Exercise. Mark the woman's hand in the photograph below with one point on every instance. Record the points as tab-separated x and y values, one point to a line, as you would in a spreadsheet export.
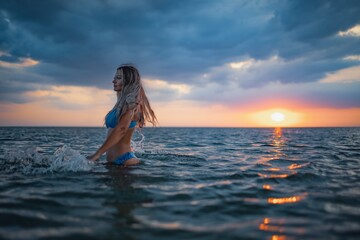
94	157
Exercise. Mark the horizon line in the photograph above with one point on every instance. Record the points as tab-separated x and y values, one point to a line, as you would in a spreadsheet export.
59	126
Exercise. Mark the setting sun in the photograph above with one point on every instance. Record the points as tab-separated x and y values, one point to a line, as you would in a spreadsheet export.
277	117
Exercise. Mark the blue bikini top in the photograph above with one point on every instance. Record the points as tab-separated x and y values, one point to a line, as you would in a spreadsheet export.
111	120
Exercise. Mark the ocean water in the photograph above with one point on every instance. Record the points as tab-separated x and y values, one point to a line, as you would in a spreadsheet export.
192	183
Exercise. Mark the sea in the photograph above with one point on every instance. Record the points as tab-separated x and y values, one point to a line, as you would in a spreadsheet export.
192	183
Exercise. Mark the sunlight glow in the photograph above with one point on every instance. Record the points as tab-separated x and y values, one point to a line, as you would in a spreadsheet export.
72	106
277	117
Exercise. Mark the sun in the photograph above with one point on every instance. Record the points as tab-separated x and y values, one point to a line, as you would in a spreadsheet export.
278	117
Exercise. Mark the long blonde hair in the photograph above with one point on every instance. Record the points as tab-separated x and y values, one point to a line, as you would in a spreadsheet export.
132	95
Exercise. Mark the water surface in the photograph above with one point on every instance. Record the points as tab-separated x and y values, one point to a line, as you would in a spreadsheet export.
192	183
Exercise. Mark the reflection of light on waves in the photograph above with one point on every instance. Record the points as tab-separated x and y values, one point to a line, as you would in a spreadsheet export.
274	169
267	187
277	237
275	175
181	187
191	227
278	132
202	185
296	166
278	143
277	226
271	228
292	199
265	226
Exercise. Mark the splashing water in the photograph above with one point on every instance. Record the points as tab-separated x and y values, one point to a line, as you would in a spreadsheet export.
138	142
30	161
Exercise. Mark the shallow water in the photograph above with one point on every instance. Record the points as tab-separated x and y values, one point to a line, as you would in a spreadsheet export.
193	183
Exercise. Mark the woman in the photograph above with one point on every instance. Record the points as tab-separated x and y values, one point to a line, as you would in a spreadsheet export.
131	110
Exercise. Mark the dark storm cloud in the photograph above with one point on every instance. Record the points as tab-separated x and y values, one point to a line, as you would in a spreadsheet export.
317	19
82	42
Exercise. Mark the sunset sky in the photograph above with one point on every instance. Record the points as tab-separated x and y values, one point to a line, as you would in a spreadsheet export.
207	63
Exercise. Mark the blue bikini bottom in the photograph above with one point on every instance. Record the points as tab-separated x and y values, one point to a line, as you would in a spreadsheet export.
126	156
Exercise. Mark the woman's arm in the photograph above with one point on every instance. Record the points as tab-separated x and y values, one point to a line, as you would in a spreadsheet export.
115	136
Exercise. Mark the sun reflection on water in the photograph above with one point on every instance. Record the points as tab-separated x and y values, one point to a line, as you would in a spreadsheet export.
277	237
275	167
291	199
296	166
278	132
276	226
267	187
279	227
278	143
284	175
268	225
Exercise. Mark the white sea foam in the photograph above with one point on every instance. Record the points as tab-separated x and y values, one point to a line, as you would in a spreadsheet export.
30	161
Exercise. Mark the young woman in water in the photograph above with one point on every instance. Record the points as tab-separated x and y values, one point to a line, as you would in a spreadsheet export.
131	110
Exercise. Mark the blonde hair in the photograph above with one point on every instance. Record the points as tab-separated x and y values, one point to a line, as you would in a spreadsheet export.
132	95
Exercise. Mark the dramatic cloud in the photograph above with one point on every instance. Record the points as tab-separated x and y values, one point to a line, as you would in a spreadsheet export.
181	47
